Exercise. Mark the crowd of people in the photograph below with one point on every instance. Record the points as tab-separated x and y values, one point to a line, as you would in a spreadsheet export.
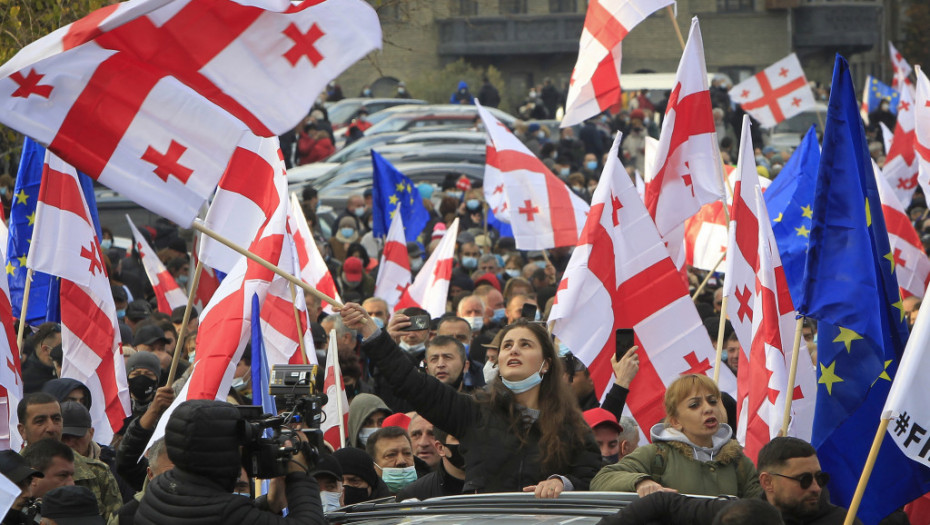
483	399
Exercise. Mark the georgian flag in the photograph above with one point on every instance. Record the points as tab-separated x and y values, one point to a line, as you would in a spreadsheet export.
620	276
776	93
394	274
336	410
280	313
901	166
167	292
922	130
11	376
431	286
65	244
313	269
909	260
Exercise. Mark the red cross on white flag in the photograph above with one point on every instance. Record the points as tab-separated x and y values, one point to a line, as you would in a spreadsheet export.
65	244
394	274
595	81
313	269
135	98
900	67
900	166
763	317
910	262
620	276
431	285
11	376
922	129
776	93
167	292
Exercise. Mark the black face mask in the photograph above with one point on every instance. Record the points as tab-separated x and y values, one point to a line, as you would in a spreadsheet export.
457	460
142	387
353	495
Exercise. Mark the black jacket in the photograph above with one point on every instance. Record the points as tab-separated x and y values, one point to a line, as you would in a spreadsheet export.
128	465
181	498
671	508
433	485
35	374
495	460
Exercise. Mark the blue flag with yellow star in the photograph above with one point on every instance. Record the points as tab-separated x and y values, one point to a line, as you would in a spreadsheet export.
392	191
43	294
851	289
789	200
876	91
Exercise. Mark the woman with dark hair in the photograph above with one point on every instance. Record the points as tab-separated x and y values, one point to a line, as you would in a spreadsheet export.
525	432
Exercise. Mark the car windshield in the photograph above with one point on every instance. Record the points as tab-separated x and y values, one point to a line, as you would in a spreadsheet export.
342	111
361	147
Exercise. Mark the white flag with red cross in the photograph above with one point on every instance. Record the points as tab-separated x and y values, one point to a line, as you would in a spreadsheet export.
136	98
430	288
394	275
280	332
899	66
225	324
595	81
621	276
90	339
900	166
776	93
167	292
706	237
908	258
760	309
687	172
922	130
209	280
544	212
313	269
494	187
11	376
336	410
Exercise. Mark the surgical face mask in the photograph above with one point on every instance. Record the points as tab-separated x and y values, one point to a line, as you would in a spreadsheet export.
470	262
499	315
182	280
330	500
397	478
591	165
426	190
355	495
564	172
473	204
524	385
455	194
563	350
3	191
540	135
475	323
538	316
378	322
411	349
577	189
121	313
106	244
512	272
366	92
347	232
541	264
364	434
416	264
245	494
457	459
359	211
490	371
239	384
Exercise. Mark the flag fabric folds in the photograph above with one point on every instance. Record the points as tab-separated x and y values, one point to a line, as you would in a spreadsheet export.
776	93
621	276
900	166
394	273
790	200
313	269
911	265
922	130
900	67
875	92
66	245
595	80
431	285
543	212
687	172
336	410
261	371
136	99
394	192
850	288
11	375
167	292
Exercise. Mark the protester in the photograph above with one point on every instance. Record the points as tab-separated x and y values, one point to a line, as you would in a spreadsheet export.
691	451
39	418
328	474
423	440
530	428
15	468
449	477
71	506
37	367
392	452
360	481
78	433
366	414
54	460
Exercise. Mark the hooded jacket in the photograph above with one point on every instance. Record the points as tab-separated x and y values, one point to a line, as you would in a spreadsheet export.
361	407
63	386
673	461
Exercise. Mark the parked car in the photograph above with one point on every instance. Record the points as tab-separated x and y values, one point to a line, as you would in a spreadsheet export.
341	113
402	117
787	134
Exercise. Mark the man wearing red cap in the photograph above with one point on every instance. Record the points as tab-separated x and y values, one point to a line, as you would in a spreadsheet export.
354	279
610	435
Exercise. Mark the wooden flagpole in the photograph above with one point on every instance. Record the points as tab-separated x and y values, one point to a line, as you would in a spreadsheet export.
866	472
671	15
184	320
700	288
199	226
23	311
723	323
300	328
792	375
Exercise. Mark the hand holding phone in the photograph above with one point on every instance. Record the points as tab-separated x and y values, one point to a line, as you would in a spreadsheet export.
625	341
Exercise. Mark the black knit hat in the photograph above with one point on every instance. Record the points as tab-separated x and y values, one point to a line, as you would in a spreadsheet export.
201	438
357	462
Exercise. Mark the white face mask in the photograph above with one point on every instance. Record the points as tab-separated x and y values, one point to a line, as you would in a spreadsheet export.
475	323
411	348
330	500
364	434
490	371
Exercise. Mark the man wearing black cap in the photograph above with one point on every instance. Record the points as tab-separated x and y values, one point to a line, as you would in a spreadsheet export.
328	474
359	479
17	470
70	506
151	338
94	474
148	405
136	312
202	440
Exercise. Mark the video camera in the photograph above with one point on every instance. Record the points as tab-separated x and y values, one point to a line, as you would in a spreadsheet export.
264	437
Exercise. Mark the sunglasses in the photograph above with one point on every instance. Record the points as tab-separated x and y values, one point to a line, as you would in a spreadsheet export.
807	478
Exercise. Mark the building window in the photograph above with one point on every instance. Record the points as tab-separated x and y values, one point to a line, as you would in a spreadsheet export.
513	7
563	6
468	7
735	5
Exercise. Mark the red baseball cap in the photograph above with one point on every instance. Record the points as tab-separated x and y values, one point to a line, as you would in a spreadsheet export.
397	420
599	416
353	269
489	278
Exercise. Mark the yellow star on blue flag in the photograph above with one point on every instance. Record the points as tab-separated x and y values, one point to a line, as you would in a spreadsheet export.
390	189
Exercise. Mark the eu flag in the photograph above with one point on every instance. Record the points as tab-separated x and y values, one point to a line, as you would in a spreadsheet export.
789	199
44	292
876	91
393	191
851	289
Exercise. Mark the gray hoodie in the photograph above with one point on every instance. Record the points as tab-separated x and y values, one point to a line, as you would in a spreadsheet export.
362	406
661	432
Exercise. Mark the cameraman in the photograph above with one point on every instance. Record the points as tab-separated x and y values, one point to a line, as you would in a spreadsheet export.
202	441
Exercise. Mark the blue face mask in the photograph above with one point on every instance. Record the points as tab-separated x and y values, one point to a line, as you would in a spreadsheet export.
564	172
499	315
398	478
182	280
378	322
563	350
523	385
470	262
512	272
359	211
3	191
591	165
121	313
347	232
106	244
473	204
541	264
